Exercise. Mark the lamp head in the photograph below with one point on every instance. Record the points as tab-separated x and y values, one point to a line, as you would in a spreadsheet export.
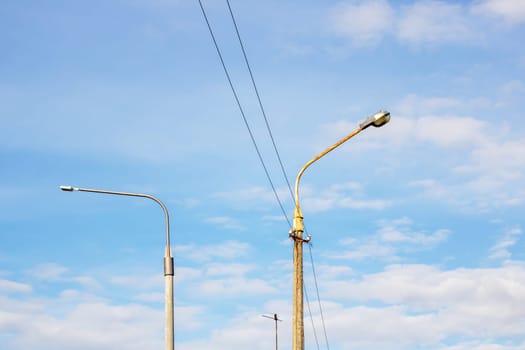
378	119
67	188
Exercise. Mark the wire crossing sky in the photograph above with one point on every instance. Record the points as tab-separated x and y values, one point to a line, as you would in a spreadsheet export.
417	226
263	164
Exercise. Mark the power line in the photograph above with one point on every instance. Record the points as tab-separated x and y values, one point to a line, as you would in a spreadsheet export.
318	297
311	317
268	128
243	114
259	99
257	148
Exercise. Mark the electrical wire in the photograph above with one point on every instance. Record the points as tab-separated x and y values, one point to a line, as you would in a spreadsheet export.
268	128
318	297
243	114
257	148
311	317
259	99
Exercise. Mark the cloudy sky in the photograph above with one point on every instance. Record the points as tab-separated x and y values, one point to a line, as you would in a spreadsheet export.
417	227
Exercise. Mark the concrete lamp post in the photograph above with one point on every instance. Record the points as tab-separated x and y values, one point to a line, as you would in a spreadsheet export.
296	233
168	259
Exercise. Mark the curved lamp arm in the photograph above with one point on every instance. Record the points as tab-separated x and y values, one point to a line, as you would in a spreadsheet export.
168	265
168	259
378	119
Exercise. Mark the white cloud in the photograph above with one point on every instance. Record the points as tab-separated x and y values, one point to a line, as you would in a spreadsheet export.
480	164
392	234
150	297
339	196
424	287
247	330
421	304
273	218
413	104
345	195
221	279
447	131
186	202
504	157
333	271
409	306
235	286
480	345
439	130
481	195
84	326
513	87
226	222
146	281
364	22
48	271
70	296
221	269
189	317
368	250
512	11
391	238
432	188
76	320
184	273
86	281
226	250
251	197
393	328
420	23
7	286
328	203
434	22
496	170
501	249
52	272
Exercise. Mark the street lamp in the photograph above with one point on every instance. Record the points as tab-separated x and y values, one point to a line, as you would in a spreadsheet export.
168	259
275	318
296	233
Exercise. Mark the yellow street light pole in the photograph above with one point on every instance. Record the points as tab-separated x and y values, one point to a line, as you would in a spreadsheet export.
296	233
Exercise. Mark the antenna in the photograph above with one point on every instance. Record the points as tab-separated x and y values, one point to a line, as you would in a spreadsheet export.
275	318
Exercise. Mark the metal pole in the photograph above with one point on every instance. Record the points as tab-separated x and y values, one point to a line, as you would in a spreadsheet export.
296	233
274	317
168	259
276	336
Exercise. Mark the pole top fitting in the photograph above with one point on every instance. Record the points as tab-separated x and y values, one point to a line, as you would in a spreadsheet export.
296	237
68	188
377	119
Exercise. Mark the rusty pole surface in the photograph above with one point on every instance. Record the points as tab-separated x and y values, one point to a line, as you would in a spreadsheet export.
296	233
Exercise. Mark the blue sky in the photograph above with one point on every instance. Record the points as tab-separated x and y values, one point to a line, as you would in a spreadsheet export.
417	226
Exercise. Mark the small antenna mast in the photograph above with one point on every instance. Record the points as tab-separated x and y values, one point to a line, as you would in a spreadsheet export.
275	318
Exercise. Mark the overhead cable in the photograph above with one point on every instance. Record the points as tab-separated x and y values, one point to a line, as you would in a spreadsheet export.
268	128
311	317
318	297
259	99
257	148
243	114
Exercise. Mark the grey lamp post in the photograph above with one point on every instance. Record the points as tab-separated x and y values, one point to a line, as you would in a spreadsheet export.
168	259
296	233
